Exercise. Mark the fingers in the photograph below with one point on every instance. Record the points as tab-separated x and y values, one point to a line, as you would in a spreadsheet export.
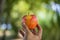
34	32
22	32
26	29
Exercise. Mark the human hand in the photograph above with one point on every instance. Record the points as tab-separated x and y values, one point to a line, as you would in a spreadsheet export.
31	35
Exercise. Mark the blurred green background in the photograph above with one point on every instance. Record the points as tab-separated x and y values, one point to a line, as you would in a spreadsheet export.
47	12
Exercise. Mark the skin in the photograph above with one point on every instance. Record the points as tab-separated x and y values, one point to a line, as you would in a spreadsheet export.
31	35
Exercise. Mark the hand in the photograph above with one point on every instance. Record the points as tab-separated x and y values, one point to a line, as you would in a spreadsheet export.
31	35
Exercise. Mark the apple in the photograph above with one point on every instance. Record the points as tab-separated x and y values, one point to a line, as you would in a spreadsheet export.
30	21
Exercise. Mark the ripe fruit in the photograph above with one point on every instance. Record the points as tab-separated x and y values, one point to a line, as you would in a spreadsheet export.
30	21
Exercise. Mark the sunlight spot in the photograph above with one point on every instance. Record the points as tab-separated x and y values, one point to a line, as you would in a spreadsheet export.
41	15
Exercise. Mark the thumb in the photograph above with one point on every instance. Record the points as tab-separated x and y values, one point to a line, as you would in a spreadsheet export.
39	30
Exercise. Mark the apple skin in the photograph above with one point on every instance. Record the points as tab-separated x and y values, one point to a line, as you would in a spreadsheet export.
30	21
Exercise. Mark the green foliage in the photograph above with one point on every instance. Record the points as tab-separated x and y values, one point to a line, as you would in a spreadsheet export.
47	18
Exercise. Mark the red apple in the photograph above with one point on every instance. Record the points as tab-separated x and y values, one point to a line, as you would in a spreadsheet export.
30	21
